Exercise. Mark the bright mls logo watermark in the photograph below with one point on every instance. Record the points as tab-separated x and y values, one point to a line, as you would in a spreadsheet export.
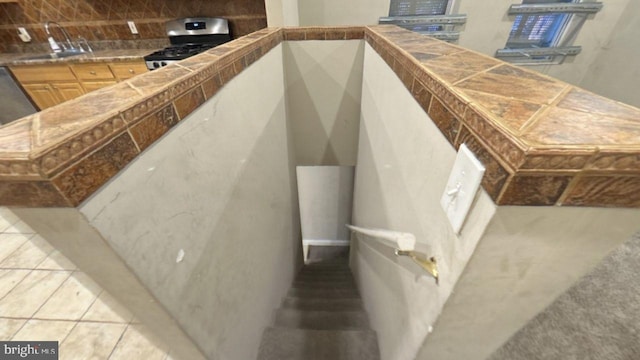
29	350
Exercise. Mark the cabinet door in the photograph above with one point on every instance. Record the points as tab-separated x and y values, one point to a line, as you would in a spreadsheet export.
68	91
129	69
95	85
42	95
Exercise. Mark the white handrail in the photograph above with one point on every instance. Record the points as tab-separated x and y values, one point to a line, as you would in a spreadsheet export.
401	240
403	244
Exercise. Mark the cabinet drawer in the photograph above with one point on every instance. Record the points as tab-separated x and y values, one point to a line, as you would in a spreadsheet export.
40	74
93	71
95	85
126	70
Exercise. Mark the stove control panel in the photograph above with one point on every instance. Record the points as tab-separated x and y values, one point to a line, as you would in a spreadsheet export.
153	65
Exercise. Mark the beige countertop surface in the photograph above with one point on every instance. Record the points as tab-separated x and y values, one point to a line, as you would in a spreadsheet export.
14	59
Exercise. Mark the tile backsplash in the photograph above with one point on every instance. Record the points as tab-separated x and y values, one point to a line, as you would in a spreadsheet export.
98	20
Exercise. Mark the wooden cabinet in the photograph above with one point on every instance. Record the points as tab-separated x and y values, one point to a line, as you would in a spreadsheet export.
50	85
90	86
43	73
94	76
128	69
92	71
67	91
42	95
50	94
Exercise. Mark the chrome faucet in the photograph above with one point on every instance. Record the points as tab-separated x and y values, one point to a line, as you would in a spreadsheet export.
55	46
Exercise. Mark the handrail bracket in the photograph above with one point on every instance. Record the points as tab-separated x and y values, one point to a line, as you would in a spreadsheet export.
428	264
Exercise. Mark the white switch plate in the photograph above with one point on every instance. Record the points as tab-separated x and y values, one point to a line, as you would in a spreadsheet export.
462	186
132	27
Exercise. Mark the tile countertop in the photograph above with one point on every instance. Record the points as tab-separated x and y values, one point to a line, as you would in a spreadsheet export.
543	142
9	59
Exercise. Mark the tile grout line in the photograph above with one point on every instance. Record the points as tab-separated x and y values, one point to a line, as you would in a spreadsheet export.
119	340
69	333
11	224
76	321
93	302
50	296
16	285
48	254
18	248
544	109
21	327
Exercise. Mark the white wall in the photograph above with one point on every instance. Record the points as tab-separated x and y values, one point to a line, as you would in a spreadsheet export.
403	165
282	13
221	187
605	66
527	257
487	30
325	195
323	85
337	12
615	72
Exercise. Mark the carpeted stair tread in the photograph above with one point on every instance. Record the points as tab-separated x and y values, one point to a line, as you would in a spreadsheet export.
324	293
327	271
322	304
330	277
325	284
322	320
323	279
303	344
328	253
327	265
331	262
334	260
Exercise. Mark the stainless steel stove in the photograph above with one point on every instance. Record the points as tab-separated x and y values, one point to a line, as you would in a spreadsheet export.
188	37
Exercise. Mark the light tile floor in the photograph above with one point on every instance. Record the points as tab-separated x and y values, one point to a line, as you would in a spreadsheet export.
44	297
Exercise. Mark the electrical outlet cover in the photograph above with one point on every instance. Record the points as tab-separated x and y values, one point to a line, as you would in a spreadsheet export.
132	27
464	181
23	34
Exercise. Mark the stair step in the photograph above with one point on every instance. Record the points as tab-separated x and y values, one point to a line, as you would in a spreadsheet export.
325	272
303	344
324	284
324	293
322	320
324	279
305	272
328	265
322	304
328	253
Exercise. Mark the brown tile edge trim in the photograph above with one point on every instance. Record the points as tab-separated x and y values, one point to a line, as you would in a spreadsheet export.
26	182
534	177
324	33
69	172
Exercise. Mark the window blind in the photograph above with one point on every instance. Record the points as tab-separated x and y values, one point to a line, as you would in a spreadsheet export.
537	30
418	7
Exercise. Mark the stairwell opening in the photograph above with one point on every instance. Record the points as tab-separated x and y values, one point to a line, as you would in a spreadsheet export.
323	85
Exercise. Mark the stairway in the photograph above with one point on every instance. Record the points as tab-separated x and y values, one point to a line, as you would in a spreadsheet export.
321	318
